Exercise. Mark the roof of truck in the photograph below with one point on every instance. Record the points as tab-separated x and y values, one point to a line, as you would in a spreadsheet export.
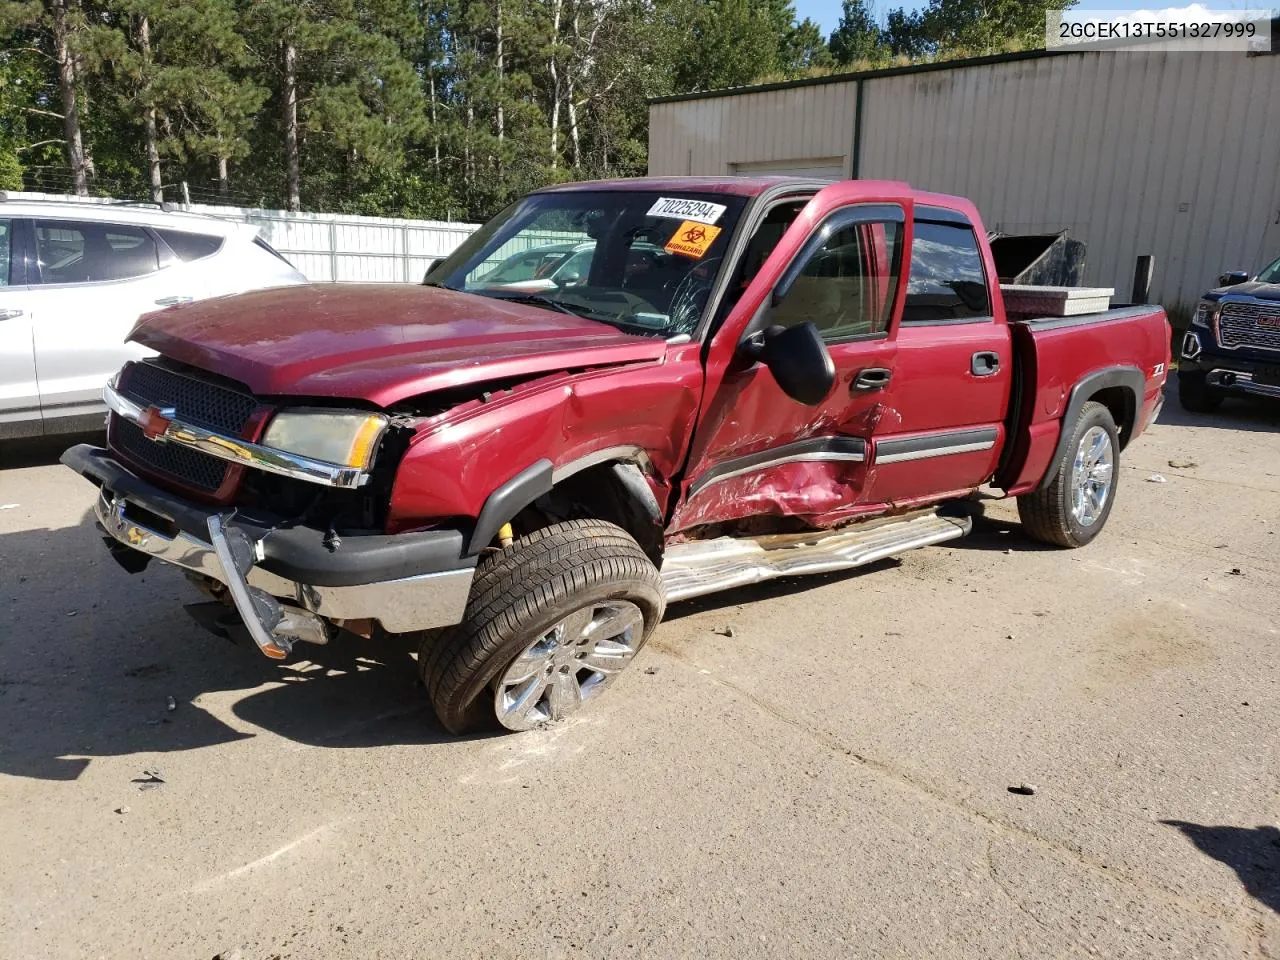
754	186
735	186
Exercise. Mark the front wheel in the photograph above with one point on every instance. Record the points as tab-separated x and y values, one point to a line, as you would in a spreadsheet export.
552	621
1073	508
1195	395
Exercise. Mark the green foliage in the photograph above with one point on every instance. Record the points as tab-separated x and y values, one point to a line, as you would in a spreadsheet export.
420	108
857	38
967	28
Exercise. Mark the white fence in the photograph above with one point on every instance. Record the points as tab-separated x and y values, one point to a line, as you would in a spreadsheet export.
331	246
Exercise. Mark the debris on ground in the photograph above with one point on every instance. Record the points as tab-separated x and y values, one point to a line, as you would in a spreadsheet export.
1008	550
1237	572
7	506
1024	790
651	670
172	704
1156	478
725	631
1183	464
150	780
122	809
72	613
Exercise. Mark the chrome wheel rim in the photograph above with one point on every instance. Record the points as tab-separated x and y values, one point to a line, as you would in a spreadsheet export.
1092	475
568	664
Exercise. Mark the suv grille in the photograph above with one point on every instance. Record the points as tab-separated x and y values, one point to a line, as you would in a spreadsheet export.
1244	324
195	401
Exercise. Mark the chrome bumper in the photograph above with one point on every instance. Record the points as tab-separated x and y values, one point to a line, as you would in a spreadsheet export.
411	603
1242	381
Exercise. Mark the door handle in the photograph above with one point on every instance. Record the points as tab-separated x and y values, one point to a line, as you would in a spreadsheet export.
984	363
872	378
9	314
173	301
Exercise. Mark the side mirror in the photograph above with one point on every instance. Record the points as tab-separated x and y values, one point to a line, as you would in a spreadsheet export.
431	265
568	279
798	360
1232	277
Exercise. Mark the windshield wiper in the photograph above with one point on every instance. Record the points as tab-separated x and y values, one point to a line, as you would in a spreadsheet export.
538	300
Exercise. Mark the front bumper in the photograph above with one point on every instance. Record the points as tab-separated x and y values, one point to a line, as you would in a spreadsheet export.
1231	373
285	581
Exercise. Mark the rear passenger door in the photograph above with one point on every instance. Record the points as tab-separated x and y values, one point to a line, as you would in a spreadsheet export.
953	369
93	280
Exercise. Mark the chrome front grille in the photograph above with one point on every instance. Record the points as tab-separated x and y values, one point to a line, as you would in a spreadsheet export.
193	468
193	400
1242	323
196	401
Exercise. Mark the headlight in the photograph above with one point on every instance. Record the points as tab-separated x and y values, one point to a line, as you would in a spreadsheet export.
348	438
1204	312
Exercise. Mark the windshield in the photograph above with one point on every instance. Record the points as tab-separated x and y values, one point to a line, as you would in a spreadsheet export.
1270	274
641	260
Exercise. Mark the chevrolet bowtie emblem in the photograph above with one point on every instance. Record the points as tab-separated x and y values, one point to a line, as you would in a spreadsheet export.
155	421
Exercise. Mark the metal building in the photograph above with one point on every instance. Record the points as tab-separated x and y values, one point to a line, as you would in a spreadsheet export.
1175	154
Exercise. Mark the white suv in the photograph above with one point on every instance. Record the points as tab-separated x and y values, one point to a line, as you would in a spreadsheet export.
74	277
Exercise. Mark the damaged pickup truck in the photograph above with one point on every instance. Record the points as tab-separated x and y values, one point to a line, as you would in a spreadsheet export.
745	379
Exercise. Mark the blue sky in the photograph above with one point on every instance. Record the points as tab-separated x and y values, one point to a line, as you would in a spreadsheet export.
826	13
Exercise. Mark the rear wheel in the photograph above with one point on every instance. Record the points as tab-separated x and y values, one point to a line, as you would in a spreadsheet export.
552	621
1073	508
1195	395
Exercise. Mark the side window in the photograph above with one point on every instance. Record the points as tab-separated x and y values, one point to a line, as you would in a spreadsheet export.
72	251
6	248
946	281
848	282
190	246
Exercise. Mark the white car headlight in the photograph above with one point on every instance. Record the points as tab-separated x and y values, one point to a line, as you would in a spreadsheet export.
344	437
1204	311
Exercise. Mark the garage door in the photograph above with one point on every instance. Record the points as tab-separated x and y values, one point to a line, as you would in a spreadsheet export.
818	168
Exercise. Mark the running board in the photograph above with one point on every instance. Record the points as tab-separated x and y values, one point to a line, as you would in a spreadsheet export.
709	566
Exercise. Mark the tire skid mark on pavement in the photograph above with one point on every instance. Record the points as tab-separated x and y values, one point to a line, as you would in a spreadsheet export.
1048	845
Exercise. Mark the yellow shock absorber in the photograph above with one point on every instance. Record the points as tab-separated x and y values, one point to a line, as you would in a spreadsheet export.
506	535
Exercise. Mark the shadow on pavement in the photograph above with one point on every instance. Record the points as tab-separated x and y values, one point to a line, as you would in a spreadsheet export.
990	533
1253	853
89	656
43	451
1246	413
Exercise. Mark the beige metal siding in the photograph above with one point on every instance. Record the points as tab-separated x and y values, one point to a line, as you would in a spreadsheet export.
806	126
1172	154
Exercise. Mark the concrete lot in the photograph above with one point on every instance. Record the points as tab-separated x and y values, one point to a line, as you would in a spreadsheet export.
829	782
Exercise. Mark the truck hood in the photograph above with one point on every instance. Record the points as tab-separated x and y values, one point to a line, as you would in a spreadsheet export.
1262	291
380	342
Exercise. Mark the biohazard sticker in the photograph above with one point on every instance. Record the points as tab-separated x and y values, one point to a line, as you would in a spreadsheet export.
674	208
692	239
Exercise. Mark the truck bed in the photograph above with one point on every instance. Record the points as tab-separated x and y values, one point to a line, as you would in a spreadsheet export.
1122	355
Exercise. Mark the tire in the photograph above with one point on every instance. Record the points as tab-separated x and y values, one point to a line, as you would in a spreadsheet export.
1053	514
1195	395
525	600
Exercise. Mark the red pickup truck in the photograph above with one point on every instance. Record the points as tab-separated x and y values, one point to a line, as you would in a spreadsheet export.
741	379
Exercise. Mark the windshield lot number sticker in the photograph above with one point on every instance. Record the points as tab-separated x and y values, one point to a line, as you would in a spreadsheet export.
692	239
673	208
